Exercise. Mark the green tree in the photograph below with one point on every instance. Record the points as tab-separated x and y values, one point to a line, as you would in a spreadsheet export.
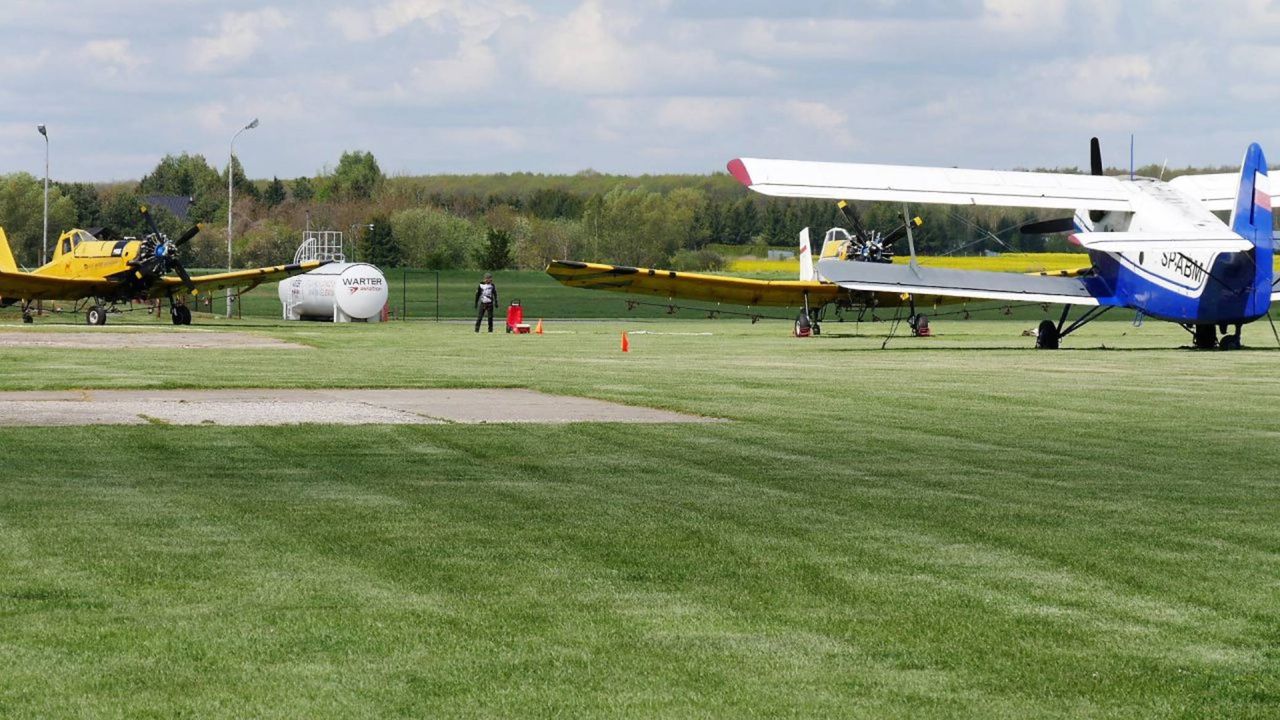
84	196
240	182
275	193
357	176
495	254
270	243
190	176
303	189
551	203
122	214
432	238
22	215
640	227
379	246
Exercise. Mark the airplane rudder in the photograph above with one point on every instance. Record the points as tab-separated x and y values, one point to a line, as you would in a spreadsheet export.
807	271
1252	215
7	263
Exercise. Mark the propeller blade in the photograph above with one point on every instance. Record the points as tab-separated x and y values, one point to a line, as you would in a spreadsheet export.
1095	168
851	215
182	273
1049	227
151	222
186	236
900	232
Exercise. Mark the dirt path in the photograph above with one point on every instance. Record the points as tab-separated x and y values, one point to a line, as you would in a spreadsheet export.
290	407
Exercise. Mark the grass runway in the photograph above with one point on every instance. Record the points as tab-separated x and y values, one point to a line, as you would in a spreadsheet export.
952	527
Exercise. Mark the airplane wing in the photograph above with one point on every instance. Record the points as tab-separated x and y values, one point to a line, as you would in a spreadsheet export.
951	186
26	286
238	278
693	286
977	284
1216	190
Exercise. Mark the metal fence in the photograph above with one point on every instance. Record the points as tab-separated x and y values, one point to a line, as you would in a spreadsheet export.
418	296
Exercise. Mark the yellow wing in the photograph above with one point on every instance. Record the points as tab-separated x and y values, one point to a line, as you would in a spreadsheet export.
694	286
247	279
27	286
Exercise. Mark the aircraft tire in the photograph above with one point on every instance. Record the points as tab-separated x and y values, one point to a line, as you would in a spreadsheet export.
27	319
1229	342
97	315
1205	337
1047	337
184	314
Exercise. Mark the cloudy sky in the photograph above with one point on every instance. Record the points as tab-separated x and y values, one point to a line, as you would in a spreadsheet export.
434	86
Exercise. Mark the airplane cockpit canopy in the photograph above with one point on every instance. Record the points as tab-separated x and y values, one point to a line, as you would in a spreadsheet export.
72	239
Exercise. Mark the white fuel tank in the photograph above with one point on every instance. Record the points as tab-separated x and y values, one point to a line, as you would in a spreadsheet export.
338	291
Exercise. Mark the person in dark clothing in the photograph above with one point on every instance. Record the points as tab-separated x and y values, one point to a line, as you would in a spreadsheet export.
486	299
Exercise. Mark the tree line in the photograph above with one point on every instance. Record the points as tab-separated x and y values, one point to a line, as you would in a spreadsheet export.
518	220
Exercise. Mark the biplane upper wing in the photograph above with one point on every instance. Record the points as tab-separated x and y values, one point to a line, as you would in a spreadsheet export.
951	186
28	286
693	286
237	278
1216	190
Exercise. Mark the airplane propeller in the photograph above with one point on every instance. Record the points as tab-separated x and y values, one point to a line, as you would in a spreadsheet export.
158	254
872	245
1064	225
1048	227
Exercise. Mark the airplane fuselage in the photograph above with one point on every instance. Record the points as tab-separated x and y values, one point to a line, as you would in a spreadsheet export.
1190	286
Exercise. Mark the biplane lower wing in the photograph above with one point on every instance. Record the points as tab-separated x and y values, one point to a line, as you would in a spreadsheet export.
237	278
974	284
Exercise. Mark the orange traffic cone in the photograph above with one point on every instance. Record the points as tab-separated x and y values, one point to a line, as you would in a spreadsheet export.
539	328
626	346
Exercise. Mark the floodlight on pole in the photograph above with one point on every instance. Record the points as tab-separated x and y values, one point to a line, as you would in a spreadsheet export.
231	160
44	245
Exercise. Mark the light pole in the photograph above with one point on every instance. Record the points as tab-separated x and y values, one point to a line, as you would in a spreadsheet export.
231	159
44	245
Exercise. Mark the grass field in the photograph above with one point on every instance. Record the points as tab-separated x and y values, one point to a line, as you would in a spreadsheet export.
953	527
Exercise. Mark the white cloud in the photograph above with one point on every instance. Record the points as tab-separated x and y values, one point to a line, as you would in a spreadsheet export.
476	20
582	54
701	114
1022	15
239	36
111	59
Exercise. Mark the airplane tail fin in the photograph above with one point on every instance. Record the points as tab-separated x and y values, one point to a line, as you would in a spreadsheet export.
808	271
6	255
1251	219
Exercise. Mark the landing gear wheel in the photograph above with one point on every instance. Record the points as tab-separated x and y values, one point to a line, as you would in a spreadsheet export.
1229	342
817	329
27	319
804	327
1047	337
97	315
1205	337
180	314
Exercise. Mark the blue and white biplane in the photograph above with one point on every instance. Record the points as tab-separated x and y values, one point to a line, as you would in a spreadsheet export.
1156	247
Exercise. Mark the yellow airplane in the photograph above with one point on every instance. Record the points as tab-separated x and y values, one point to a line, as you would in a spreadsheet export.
810	293
100	274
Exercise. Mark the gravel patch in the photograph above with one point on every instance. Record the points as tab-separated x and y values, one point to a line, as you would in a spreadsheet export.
338	407
162	338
